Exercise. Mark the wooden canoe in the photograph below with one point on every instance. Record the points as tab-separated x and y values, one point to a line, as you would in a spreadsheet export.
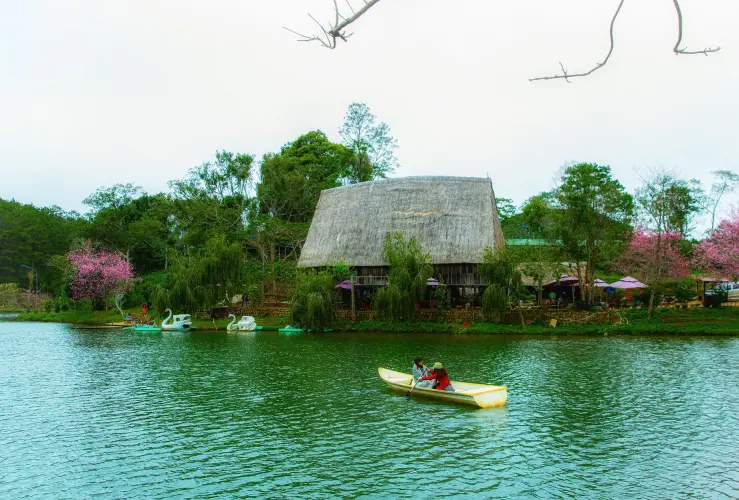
480	395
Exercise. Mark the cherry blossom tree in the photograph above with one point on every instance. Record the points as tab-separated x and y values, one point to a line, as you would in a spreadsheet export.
98	273
654	257
642	258
719	253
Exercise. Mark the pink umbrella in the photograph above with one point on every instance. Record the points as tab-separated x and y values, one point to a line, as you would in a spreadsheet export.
346	285
627	283
601	283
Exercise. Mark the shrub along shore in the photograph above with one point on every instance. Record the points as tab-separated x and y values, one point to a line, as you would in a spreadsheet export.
712	321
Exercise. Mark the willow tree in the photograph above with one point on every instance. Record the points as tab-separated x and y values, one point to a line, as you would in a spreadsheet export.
203	277
500	271
313	301
410	269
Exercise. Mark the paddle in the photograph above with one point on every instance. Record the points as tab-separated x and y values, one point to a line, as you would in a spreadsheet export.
413	386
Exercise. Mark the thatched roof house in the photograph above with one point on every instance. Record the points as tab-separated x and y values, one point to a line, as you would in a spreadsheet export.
453	218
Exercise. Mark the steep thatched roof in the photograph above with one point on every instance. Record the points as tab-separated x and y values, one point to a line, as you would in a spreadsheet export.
454	218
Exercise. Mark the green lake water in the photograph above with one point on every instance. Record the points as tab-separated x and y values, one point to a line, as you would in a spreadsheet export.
112	414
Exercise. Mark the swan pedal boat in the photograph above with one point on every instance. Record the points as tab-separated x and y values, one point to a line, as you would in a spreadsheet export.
467	393
177	323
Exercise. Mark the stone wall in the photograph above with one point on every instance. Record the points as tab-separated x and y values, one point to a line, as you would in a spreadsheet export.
456	316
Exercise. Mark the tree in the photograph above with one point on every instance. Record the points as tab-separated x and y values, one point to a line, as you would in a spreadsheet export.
371	143
725	183
203	276
98	273
655	258
313	302
292	180
410	269
504	280
719	253
337	31
591	211
536	212
215	197
664	209
114	197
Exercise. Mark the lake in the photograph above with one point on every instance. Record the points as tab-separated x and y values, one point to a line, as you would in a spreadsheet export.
109	414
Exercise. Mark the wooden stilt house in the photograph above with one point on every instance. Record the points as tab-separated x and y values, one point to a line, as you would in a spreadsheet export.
453	218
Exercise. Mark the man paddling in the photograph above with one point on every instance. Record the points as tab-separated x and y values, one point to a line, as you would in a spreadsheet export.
420	371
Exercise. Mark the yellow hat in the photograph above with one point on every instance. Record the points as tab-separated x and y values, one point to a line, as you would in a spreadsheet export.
438	365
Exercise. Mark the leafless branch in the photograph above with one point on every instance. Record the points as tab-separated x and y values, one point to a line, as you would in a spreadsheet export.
676	49
336	30
566	76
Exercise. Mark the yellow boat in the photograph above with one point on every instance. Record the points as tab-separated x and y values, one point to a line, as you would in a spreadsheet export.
466	393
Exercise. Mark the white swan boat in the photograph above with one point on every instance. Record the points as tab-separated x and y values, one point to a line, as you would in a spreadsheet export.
177	323
245	324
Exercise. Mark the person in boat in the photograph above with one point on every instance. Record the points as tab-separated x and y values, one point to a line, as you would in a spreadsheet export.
419	370
440	377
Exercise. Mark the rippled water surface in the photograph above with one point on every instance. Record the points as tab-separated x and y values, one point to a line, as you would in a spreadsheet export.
113	414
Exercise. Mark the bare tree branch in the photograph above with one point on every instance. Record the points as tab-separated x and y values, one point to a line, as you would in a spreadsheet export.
676	49
336	30
565	76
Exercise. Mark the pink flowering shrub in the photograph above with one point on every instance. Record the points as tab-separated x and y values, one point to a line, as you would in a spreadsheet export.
642	258
98	273
719	253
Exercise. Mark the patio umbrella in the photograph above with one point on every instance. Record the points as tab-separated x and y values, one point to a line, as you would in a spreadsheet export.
432	282
346	285
628	283
600	283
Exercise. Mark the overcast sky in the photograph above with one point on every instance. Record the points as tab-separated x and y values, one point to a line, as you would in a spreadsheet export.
95	92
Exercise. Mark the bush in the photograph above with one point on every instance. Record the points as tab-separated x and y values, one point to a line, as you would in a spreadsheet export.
48	305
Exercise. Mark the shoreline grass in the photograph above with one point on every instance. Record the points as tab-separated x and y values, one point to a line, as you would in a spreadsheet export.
719	321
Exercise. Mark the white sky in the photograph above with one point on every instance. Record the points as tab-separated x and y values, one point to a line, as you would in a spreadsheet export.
95	92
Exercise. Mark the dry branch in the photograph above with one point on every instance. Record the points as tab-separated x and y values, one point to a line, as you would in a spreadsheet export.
676	49
336	30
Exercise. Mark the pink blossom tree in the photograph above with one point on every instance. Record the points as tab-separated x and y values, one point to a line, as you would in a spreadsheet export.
98	273
654	258
719	253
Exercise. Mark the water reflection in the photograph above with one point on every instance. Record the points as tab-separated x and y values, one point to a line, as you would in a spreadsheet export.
113	413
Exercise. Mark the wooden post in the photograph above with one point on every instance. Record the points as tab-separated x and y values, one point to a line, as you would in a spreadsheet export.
354	307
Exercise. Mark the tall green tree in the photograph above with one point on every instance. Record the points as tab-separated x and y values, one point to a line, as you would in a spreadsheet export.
292	180
665	206
591	213
370	141
725	182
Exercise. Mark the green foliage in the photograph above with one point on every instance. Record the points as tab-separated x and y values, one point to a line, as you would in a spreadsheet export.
30	235
202	277
313	301
370	142
591	213
501	272
292	180
410	268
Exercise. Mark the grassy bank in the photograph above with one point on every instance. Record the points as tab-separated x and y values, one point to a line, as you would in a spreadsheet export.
101	318
722	321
